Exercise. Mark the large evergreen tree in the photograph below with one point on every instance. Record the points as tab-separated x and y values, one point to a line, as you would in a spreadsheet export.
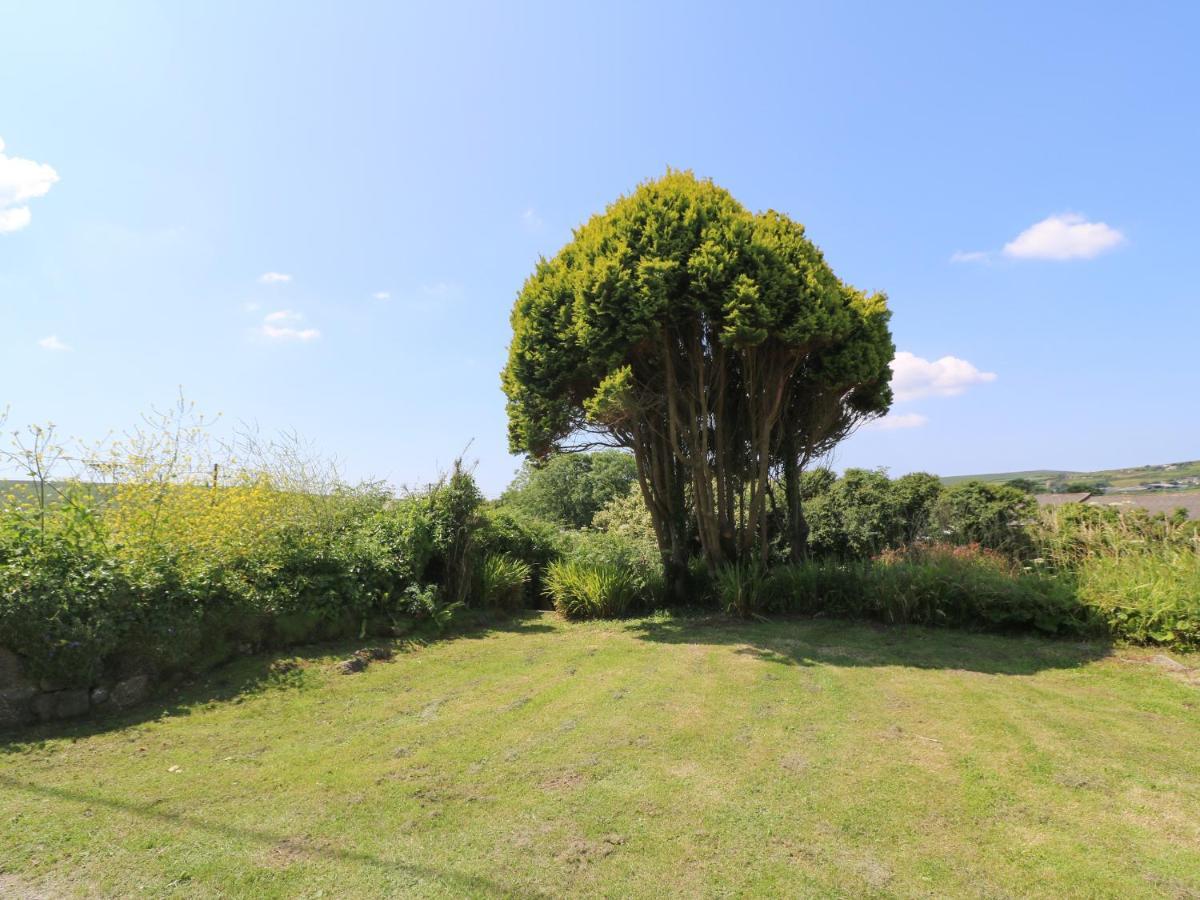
715	343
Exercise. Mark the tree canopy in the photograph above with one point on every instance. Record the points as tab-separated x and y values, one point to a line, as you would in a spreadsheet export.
715	343
571	488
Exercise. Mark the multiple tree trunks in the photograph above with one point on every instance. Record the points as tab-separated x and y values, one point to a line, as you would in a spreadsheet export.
714	343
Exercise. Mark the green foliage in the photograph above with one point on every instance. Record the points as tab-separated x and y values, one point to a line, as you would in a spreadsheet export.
739	588
706	339
571	488
1139	572
1148	598
993	515
502	581
582	589
935	585
509	532
864	512
158	572
63	604
1025	485
1079	486
638	558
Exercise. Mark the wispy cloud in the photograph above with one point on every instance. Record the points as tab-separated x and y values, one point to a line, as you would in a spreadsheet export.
382	295
52	342
1067	236
287	325
274	278
531	220
21	180
914	377
970	256
1061	237
899	420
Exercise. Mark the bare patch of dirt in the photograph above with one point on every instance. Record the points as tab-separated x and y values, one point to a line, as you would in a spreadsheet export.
1078	781
581	852
289	852
562	781
796	763
13	887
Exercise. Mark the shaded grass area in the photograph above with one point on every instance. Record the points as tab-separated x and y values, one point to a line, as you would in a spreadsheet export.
684	755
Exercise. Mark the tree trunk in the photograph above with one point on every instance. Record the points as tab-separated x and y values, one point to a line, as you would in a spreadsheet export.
797	524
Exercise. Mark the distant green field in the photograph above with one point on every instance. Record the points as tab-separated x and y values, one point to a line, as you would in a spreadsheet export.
1113	478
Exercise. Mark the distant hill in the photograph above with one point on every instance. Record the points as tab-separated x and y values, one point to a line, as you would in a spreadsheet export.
1179	476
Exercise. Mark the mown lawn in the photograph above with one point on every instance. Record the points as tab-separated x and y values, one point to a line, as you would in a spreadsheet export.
656	757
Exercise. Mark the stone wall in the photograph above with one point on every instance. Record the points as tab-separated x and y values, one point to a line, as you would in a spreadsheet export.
23	700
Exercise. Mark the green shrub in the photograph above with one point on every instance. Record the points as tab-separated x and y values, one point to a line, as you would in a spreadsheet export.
174	576
936	585
865	512
502	581
639	560
739	588
511	533
991	515
568	489
64	606
1151	598
585	590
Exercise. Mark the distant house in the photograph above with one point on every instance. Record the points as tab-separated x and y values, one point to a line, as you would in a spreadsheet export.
1060	499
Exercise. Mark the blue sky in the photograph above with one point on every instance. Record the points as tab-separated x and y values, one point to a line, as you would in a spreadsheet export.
1019	178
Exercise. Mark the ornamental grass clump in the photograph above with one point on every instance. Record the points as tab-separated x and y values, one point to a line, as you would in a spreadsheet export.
585	590
502	581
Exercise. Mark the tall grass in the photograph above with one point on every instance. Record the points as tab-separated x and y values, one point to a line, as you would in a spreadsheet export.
1139	573
502	581
583	590
934	584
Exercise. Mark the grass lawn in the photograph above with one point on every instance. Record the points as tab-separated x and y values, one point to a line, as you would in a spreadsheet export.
653	757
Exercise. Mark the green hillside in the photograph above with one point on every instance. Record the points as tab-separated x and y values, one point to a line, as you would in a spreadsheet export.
1132	477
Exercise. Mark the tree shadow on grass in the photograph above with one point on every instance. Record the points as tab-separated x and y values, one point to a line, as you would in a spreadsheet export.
458	882
268	670
834	642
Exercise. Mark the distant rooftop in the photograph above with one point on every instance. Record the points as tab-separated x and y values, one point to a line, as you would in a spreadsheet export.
1060	499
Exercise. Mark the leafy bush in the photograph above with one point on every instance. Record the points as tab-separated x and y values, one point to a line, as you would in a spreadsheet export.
935	585
153	570
570	488
584	590
639	560
864	512
511	533
1151	598
64	605
628	516
502	581
992	515
739	588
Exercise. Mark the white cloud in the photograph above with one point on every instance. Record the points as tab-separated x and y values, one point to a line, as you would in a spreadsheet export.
531	220
1067	236
914	377
970	256
21	180
382	295
900	420
274	278
51	342
285	325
